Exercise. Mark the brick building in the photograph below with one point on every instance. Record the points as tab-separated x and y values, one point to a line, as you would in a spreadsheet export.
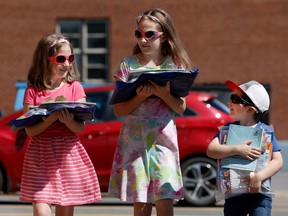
239	40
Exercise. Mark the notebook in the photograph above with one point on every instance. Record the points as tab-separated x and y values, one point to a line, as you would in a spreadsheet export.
238	134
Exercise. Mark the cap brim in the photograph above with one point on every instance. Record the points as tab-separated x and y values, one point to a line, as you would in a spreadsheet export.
233	86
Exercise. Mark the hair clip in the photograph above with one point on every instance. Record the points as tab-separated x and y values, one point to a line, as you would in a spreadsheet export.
61	40
153	18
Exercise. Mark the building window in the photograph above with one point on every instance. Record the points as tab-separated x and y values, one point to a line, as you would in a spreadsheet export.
90	42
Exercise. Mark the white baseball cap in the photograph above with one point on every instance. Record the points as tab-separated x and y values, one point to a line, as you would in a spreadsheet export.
254	91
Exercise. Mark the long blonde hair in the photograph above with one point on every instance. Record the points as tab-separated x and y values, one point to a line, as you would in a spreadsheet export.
172	45
40	72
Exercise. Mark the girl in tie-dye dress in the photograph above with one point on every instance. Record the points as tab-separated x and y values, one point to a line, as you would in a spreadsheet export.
146	166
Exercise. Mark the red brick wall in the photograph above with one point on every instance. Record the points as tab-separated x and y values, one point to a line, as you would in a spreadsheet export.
239	40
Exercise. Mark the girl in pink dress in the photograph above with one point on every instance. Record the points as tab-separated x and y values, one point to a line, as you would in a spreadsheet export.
57	170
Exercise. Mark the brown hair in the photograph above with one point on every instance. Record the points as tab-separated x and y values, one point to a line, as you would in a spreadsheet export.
39	75
172	46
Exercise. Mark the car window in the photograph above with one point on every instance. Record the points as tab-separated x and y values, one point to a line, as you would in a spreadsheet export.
218	105
188	112
103	112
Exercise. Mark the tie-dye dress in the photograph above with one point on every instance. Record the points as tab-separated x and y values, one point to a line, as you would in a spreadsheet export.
146	165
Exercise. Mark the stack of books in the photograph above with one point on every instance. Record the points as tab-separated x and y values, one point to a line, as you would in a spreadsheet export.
234	171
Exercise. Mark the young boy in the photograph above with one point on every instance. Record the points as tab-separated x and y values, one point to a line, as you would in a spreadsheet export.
248	104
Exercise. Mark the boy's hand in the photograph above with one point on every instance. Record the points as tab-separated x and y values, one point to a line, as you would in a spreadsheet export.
255	183
248	152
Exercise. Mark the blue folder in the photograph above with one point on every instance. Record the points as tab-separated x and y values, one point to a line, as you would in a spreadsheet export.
82	112
181	82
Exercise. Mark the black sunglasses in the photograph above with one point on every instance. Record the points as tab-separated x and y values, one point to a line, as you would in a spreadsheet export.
235	99
148	35
60	59
238	100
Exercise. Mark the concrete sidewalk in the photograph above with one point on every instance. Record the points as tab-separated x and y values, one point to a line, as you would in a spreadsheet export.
279	185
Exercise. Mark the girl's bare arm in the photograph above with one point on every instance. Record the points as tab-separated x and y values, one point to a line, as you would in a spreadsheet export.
63	116
36	129
127	107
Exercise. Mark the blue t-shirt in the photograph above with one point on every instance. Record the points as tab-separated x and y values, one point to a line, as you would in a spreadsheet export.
276	146
266	185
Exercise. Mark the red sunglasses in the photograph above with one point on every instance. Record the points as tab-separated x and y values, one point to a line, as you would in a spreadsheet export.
60	59
148	35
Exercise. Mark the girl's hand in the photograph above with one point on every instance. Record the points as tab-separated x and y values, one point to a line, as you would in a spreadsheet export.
65	116
248	152
51	118
38	128
161	91
145	90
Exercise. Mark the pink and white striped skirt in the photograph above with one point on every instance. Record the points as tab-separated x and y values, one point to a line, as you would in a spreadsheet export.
58	170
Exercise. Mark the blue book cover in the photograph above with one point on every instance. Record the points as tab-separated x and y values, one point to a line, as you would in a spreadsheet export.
238	134
180	82
83	111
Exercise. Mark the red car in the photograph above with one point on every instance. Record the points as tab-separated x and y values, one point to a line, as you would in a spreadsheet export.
196	128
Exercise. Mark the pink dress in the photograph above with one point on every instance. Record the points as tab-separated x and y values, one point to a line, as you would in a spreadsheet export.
57	168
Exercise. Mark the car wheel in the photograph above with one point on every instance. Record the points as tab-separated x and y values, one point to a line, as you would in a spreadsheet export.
199	179
1	180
